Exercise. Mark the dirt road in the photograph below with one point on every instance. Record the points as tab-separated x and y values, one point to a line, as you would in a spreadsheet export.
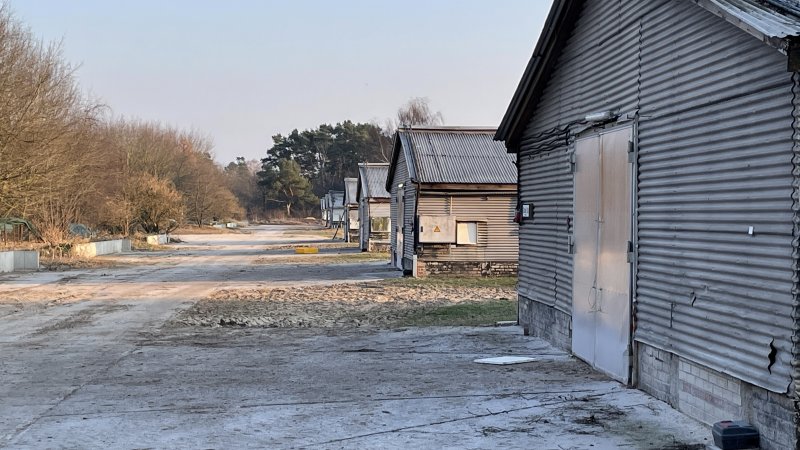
99	359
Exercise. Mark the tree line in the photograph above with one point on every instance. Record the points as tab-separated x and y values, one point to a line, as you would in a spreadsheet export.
302	166
65	160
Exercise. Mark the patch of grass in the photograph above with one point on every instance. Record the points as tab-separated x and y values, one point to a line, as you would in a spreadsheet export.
59	264
356	257
467	282
469	314
141	246
313	243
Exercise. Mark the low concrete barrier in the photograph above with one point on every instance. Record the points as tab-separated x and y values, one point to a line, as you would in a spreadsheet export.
15	261
93	249
158	239
6	261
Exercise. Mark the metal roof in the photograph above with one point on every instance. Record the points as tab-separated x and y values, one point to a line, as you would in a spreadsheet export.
454	155
373	180
336	199
774	22
771	23
350	190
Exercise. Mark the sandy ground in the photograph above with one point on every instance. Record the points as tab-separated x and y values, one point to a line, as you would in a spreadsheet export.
366	304
100	358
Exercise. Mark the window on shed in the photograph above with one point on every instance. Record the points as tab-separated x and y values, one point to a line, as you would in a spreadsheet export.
380	224
467	233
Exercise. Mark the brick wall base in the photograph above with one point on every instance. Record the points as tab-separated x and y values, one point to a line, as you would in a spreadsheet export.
710	396
545	322
467	268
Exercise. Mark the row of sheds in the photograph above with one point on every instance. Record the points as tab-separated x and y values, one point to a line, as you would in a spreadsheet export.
445	203
658	153
361	210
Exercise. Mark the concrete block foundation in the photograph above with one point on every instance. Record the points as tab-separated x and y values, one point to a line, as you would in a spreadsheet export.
711	396
546	322
466	268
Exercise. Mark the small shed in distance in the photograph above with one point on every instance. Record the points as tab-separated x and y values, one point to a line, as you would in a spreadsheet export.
350	210
374	214
454	194
335	208
323	209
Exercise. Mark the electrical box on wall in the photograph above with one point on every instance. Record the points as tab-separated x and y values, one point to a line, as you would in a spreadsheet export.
527	210
437	229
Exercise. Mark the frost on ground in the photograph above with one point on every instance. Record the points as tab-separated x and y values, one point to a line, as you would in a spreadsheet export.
376	304
93	358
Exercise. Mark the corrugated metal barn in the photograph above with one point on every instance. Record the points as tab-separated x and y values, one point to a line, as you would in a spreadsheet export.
659	166
351	209
336	211
453	195
374	213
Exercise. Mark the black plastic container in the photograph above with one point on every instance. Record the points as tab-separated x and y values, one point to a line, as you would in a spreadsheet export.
735	435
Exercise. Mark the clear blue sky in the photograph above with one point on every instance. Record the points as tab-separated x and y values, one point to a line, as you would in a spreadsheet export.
241	71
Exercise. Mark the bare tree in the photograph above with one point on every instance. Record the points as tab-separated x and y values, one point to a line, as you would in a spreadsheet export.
417	111
45	160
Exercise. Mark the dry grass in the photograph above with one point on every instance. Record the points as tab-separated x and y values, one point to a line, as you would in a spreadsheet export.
194	229
58	264
314	232
320	245
460	282
324	258
374	304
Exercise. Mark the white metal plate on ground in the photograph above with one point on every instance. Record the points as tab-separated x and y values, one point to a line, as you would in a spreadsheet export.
505	360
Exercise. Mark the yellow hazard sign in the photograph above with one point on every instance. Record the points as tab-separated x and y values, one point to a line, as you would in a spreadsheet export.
436	229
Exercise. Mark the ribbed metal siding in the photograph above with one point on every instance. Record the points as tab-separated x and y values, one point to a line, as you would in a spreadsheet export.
545	270
408	226
363	220
597	71
796	240
597	68
400	177
715	149
498	235
379	209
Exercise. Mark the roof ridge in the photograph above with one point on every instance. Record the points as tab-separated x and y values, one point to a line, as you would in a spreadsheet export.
476	129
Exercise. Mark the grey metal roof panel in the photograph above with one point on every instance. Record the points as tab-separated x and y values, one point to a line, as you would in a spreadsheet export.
373	179
771	24
458	155
350	190
336	199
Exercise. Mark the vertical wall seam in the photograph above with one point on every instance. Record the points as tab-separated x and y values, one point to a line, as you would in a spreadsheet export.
796	248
